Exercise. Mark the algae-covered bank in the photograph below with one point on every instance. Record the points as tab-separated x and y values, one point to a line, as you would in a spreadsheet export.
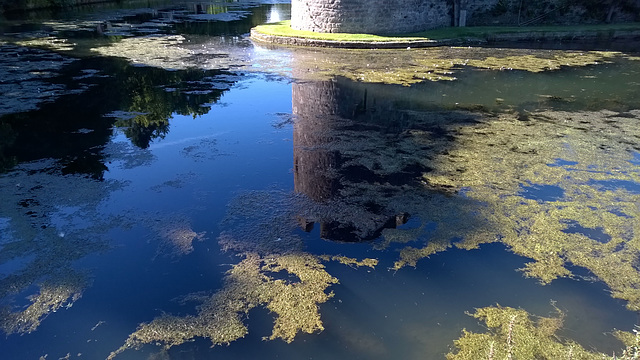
171	189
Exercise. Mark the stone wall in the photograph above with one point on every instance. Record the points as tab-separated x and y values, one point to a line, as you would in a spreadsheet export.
406	16
370	16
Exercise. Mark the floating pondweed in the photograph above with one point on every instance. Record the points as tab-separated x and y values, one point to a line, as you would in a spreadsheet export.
248	285
516	334
536	63
154	50
176	234
53	222
497	158
61	290
432	64
27	75
351	261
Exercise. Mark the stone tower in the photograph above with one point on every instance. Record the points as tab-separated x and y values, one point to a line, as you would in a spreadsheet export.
370	16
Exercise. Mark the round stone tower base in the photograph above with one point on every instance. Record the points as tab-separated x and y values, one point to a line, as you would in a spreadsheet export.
369	16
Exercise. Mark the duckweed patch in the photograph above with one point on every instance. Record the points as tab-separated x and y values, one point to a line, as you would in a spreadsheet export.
259	227
265	229
248	285
462	174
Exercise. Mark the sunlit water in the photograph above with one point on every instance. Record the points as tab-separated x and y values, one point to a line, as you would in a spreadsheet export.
115	195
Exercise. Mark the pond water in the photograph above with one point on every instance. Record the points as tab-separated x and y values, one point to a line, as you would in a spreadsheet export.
167	184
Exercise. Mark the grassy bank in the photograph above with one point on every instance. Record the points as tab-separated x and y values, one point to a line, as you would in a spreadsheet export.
284	29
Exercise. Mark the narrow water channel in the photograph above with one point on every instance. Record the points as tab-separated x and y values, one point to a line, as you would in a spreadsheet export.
166	185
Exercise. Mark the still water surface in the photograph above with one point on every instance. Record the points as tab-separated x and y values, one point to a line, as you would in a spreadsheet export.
148	149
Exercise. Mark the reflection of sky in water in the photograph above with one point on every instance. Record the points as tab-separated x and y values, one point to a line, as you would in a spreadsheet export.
186	179
630	186
542	192
274	15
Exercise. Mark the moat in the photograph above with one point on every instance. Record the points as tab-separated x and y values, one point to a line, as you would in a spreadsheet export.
166	185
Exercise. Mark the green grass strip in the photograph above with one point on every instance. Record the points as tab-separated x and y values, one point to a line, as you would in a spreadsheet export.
283	28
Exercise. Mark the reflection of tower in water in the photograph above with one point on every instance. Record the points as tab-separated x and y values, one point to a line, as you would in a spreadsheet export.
315	106
320	166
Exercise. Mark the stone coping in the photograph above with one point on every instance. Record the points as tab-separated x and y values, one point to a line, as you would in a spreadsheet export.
572	35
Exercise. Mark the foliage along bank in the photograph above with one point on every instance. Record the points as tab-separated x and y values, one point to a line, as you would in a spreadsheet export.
24	5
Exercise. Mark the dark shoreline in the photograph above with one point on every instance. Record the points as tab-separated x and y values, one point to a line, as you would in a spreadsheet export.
16	6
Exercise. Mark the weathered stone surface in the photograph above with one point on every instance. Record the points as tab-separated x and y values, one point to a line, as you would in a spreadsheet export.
405	16
370	16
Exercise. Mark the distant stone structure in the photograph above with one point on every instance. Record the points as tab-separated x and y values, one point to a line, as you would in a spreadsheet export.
406	16
369	16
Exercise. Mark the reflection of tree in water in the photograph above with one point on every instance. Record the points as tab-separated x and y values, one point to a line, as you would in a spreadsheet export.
7	138
48	214
258	15
75	129
154	95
